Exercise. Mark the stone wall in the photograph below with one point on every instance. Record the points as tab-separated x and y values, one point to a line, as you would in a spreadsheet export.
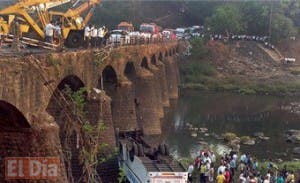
29	84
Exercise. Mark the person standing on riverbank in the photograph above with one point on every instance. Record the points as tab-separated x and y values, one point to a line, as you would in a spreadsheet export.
190	173
220	178
290	178
211	173
202	172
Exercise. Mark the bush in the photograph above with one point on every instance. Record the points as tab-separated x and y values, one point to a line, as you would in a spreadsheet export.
229	136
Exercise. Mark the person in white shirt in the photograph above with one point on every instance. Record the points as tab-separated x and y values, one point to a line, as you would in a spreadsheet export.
87	35
49	32
57	34
190	173
221	169
100	36
94	34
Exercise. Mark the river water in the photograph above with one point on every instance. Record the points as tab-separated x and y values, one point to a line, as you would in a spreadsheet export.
227	112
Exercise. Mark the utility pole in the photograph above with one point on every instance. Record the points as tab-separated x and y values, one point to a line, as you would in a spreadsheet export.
270	20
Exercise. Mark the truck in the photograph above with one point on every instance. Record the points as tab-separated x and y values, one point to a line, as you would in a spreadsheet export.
143	163
150	30
125	26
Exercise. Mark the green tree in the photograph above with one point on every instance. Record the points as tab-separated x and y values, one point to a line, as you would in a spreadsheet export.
225	20
198	50
255	16
282	27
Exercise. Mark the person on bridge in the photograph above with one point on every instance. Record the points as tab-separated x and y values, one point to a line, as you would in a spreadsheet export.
106	35
87	36
49	32
100	36
94	34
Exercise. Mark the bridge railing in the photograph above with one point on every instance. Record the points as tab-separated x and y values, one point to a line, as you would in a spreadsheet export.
123	41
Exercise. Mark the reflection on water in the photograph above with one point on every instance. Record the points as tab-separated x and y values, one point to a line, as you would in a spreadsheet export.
227	112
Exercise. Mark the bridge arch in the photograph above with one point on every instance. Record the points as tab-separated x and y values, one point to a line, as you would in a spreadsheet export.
11	118
108	80
130	71
60	107
153	60
144	63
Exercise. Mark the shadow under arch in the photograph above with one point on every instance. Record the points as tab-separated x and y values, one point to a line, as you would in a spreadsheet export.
144	63
11	118
160	56
61	107
108	80
153	60
130	71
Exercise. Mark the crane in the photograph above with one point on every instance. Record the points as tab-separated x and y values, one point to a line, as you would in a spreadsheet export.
35	14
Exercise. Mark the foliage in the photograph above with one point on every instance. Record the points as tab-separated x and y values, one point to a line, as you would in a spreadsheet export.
290	166
122	175
78	99
225	20
198	50
255	15
196	71
90	152
282	27
90	134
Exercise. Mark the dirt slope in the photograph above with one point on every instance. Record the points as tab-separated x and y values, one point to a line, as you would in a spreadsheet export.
245	59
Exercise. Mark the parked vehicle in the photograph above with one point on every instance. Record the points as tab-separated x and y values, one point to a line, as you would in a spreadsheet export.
126	26
181	33
150	30
135	37
143	164
169	34
119	37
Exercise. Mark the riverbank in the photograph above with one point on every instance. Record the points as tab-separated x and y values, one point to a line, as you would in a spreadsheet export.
240	67
262	168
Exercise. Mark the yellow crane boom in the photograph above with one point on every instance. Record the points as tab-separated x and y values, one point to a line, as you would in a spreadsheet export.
36	15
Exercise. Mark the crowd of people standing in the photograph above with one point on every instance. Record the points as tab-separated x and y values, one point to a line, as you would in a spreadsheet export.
93	36
233	168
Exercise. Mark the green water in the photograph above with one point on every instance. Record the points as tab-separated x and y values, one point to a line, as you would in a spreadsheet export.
227	112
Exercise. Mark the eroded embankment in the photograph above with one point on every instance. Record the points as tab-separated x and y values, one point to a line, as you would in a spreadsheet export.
241	66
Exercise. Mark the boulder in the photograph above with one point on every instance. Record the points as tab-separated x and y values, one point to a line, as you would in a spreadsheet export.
293	136
296	150
246	140
229	136
203	130
249	142
264	138
258	134
194	134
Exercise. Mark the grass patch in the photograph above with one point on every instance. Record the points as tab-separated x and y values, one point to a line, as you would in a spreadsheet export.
290	166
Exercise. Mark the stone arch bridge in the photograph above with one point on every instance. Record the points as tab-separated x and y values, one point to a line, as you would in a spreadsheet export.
128	90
